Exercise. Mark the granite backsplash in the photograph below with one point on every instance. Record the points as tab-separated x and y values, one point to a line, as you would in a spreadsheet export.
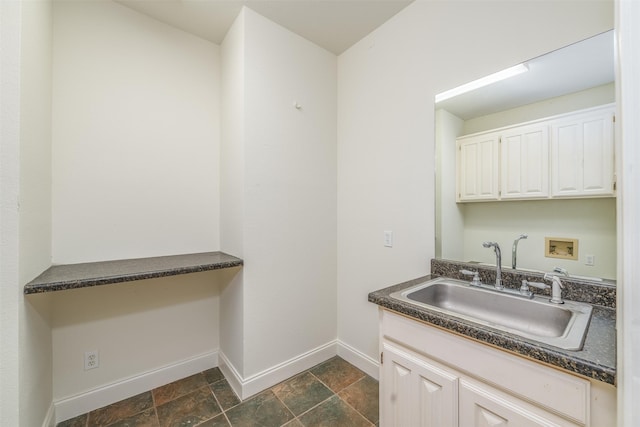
591	292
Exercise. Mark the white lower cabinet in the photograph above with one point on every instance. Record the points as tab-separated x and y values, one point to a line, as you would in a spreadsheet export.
433	378
418	392
483	406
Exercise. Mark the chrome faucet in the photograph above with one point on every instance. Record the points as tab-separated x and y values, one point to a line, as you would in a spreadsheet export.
514	250
496	249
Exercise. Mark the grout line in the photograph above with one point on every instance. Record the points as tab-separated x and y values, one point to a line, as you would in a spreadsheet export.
155	411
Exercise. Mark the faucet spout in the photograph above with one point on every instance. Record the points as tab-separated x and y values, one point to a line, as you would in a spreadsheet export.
496	249
514	250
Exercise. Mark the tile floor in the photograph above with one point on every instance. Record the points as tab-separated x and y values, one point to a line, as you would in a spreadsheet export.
332	394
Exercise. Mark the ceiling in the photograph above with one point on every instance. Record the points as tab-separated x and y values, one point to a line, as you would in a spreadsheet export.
332	24
579	66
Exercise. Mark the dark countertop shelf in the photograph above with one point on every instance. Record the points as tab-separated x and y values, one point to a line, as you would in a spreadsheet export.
73	276
596	360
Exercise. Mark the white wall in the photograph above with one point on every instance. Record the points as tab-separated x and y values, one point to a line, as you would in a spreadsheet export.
286	196
290	195
10	291
628	96
138	328
449	214
136	132
232	192
591	221
386	87
35	371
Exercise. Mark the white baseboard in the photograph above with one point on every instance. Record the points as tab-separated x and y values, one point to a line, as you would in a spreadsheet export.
254	384
50	418
69	407
73	406
248	387
230	373
358	359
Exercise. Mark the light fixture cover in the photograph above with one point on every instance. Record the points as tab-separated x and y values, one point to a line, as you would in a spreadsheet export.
481	82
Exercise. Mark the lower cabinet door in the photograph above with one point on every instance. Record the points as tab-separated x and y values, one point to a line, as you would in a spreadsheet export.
484	406
416	392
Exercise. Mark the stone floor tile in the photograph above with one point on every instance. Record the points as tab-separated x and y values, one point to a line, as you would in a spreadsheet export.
217	421
225	394
337	374
120	410
213	375
363	396
333	413
302	392
190	409
147	418
173	390
264	410
79	421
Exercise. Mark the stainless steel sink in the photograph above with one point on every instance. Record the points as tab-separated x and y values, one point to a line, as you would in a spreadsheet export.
558	325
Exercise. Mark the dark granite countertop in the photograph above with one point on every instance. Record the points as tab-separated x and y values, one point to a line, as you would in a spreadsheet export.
73	276
597	359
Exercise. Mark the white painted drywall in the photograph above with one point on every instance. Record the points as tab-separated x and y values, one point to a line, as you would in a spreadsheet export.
232	192
34	256
290	195
281	183
35	139
10	290
136	132
449	214
591	221
137	327
628	97
386	86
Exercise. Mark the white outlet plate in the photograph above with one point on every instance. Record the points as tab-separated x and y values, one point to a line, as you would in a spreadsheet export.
590	260
91	359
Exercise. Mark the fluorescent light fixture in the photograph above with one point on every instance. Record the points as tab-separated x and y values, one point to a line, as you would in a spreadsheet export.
482	82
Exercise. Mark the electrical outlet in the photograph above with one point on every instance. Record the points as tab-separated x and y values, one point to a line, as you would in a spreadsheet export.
91	359
590	260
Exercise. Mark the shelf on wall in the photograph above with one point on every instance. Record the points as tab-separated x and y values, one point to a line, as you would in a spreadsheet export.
74	276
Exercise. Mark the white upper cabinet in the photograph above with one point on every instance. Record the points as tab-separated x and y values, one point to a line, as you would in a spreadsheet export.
524	169
566	156
582	160
478	167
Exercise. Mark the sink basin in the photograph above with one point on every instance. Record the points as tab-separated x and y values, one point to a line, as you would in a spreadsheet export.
559	325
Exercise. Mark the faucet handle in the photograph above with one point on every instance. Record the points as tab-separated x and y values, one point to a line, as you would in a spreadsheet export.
524	288
556	288
553	279
476	277
539	285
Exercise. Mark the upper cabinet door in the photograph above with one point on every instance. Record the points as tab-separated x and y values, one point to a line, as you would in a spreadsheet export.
477	164
582	154
524	165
